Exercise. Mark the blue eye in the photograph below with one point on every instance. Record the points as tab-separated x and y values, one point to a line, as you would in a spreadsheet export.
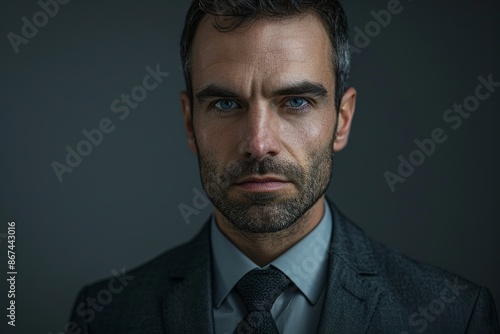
297	102
226	105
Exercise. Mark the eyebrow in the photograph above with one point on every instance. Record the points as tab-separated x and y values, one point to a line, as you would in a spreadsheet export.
303	88
299	88
214	91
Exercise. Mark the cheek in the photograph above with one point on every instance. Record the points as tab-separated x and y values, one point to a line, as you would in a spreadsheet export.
213	139
308	133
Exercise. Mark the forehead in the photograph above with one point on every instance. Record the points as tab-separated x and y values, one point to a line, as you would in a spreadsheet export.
293	48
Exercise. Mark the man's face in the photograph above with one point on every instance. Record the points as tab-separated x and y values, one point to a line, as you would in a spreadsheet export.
263	119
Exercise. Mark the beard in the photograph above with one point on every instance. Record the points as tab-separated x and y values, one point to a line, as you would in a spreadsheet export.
266	212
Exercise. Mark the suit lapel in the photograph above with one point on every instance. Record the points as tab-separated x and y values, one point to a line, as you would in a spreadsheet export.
187	305
352	292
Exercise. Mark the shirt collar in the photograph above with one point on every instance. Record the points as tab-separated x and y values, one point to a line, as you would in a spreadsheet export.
306	263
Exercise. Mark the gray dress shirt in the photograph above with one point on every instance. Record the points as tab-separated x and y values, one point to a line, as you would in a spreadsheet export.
298	309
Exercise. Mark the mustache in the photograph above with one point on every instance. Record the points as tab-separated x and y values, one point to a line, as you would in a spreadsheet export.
239	169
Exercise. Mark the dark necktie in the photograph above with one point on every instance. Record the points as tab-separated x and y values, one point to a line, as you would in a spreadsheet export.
259	289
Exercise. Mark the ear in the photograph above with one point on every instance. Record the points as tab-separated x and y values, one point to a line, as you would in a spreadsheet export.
188	121
346	114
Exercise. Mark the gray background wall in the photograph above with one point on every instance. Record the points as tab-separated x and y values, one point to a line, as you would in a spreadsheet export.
119	208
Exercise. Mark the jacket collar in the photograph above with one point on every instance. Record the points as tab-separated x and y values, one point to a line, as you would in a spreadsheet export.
187	305
353	289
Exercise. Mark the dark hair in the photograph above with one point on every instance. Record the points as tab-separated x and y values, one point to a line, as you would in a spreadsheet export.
232	14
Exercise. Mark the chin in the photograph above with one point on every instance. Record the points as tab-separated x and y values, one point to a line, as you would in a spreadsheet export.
262	218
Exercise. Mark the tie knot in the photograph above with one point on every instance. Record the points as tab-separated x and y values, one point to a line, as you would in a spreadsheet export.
261	287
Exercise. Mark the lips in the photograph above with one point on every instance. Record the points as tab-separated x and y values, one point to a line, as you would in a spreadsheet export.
262	183
261	179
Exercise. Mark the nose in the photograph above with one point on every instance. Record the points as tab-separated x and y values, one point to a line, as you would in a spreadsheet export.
260	133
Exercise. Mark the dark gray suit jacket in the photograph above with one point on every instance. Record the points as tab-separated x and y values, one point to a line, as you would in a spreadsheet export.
371	289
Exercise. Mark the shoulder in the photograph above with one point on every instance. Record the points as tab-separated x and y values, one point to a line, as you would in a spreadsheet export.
397	271
403	276
420	296
429	297
132	298
162	267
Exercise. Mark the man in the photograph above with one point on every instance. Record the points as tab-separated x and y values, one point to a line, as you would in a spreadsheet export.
266	107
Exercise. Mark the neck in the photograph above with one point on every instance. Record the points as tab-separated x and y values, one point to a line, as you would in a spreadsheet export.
263	248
